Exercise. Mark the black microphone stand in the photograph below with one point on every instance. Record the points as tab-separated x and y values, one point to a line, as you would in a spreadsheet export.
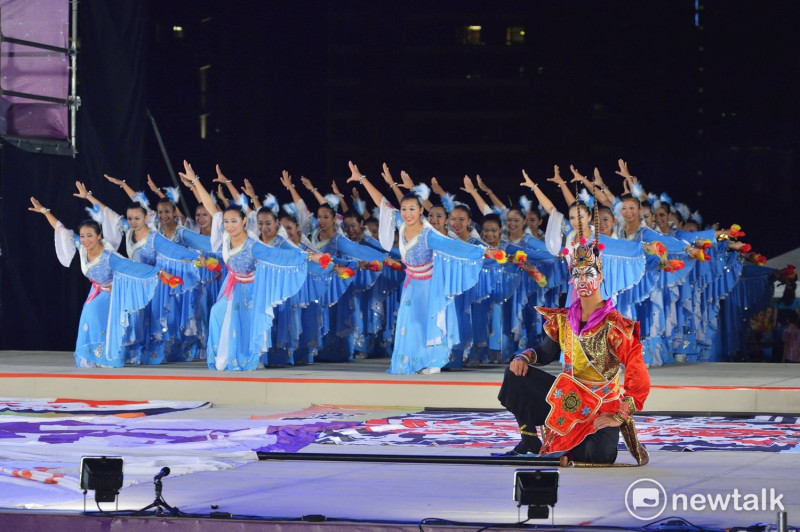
159	503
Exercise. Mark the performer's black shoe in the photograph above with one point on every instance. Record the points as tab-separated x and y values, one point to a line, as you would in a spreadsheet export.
521	450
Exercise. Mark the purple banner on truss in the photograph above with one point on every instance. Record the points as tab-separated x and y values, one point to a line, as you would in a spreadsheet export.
33	70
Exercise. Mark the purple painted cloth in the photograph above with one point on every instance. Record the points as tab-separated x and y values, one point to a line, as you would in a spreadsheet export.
574	315
292	438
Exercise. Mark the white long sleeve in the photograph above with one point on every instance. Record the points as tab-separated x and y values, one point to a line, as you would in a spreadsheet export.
65	245
113	232
553	234
386	224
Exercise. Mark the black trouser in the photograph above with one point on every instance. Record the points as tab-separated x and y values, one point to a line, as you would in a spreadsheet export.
525	397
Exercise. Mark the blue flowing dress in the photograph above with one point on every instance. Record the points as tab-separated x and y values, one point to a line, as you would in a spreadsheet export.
345	319
258	278
523	321
437	269
194	305
321	290
155	330
288	324
492	340
463	304
120	287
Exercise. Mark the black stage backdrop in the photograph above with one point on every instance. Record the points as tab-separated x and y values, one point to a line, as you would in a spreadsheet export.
40	301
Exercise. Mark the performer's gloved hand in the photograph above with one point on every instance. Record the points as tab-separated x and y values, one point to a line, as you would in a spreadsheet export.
606	420
519	366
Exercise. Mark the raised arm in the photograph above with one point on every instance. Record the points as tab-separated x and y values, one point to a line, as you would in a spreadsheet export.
357	177
38	207
495	200
191	180
153	187
194	191
342	200
569	197
601	191
387	176
220	193
630	179
228	183
250	192
470	189
596	190
286	181
579	178
87	195
444	198
540	196
436	188
121	184
356	199
311	188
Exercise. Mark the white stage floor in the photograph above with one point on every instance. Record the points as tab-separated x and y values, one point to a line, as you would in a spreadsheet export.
409	493
464	493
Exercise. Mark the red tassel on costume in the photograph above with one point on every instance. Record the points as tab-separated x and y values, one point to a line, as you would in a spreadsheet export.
325	261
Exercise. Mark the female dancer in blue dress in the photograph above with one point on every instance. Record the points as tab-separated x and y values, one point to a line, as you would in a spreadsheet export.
117	283
288	314
437	268
366	301
187	319
258	278
286	326
460	222
542	284
320	291
320	340
345	325
490	317
156	332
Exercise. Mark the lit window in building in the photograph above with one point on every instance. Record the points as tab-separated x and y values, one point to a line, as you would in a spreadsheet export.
177	31
472	35
204	125
204	85
515	35
204	77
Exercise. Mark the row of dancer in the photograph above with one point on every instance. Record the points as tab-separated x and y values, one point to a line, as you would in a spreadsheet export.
199	309
670	275
260	278
478	309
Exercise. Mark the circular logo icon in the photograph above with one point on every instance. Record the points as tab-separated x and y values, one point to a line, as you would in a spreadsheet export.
645	499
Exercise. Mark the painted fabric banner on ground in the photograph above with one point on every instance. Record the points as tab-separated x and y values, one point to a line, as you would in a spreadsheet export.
87	407
494	430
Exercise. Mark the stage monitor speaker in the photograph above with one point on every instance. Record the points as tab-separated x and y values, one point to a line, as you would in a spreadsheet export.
103	474
536	487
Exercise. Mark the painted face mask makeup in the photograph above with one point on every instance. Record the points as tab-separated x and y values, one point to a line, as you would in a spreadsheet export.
585	266
585	280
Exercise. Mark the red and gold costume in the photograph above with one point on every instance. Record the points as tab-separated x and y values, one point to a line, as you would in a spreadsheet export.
590	382
566	407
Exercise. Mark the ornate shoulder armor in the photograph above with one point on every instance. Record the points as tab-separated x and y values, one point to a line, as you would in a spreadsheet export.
625	326
553	319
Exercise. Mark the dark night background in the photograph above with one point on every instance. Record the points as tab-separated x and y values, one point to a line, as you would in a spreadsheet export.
699	97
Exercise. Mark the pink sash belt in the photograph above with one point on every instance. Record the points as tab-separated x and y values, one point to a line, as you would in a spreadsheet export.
420	273
232	279
96	289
